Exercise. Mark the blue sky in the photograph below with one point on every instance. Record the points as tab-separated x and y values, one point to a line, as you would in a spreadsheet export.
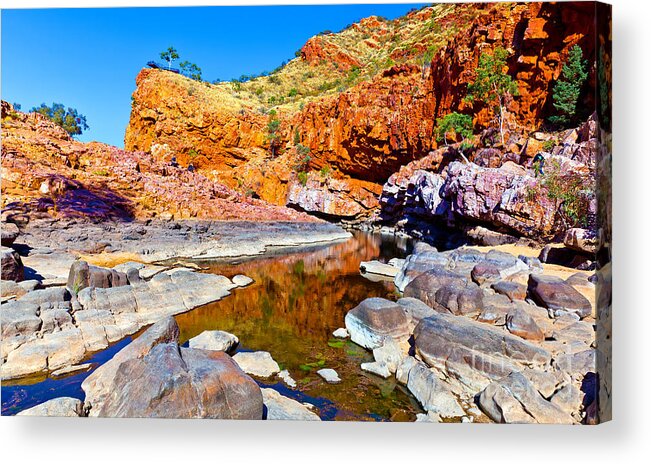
89	58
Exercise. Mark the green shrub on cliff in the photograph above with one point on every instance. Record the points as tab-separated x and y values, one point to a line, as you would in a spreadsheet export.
567	88
70	120
492	85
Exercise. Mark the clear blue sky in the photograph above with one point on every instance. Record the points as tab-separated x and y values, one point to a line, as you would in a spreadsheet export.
89	58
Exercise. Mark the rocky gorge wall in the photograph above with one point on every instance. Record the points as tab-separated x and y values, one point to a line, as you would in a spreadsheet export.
361	135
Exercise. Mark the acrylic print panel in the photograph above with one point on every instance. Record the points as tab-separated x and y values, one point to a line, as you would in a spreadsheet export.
385	213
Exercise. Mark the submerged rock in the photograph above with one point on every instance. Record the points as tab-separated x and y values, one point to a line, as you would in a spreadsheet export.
258	363
329	375
341	333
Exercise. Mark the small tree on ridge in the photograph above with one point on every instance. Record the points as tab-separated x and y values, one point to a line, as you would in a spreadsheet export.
170	55
492	84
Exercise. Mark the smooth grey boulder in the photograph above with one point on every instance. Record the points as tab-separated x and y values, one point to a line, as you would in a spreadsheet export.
57	407
374	319
11	265
557	295
432	393
415	309
48	298
378	368
461	299
98	385
520	323
173	382
418	263
216	340
513	399
426	285
280	407
19	318
472	351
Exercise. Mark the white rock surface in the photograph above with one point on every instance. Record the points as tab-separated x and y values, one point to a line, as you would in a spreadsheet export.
280	407
216	340
258	363
329	375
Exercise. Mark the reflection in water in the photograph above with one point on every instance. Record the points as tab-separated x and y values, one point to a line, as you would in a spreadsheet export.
291	310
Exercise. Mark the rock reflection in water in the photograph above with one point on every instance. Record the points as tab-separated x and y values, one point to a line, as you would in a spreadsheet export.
291	310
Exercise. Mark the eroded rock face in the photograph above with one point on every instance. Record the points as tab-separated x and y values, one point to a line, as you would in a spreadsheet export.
513	399
368	131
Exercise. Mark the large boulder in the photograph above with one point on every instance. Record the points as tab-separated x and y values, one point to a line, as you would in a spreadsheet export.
472	351
83	275
513	399
98	385
12	265
375	319
522	324
173	382
557	295
425	285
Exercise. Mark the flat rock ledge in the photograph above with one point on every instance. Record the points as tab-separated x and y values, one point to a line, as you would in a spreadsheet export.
46	330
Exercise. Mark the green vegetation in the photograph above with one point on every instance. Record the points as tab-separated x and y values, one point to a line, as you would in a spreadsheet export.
273	132
492	85
570	192
325	171
70	120
457	124
101	172
567	88
190	70
302	177
549	145
170	55
192	153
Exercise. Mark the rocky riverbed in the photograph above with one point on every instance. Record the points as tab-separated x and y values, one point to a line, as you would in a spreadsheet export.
58	309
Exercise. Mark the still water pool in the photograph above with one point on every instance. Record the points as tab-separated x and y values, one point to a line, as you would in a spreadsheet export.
297	301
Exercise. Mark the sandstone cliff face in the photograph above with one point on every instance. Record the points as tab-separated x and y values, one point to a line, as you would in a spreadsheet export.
365	129
47	173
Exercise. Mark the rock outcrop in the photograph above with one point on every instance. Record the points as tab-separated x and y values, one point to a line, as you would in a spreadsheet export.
154	377
368	128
